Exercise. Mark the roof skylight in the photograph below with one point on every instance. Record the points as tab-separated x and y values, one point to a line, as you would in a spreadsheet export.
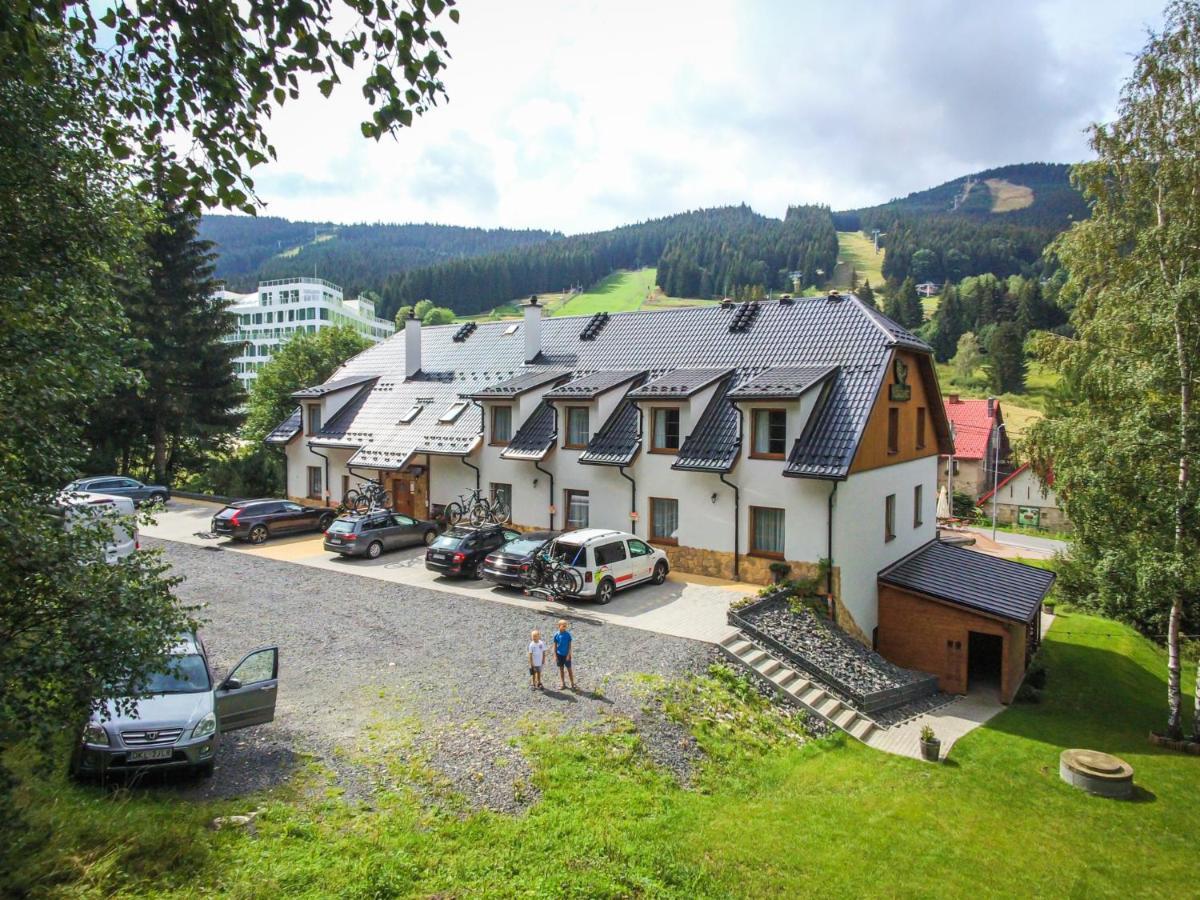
411	414
455	410
511	329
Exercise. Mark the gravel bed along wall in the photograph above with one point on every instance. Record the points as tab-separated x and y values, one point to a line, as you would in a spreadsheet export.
824	644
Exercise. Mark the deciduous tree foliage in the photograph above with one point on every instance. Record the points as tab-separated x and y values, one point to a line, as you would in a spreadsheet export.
1123	447
71	628
308	358
215	70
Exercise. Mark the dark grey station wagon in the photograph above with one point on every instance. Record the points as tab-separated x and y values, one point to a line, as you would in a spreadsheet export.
370	534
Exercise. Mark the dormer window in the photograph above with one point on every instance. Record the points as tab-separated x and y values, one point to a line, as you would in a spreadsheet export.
501	424
664	431
455	410
411	414
769	433
314	418
578	430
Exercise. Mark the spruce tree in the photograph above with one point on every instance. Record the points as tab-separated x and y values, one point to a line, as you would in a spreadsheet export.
911	311
1006	359
866	293
950	326
187	395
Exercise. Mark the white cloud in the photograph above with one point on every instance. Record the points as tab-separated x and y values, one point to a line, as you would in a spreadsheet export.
579	116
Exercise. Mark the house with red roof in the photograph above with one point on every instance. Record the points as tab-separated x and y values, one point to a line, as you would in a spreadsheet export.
1025	499
980	445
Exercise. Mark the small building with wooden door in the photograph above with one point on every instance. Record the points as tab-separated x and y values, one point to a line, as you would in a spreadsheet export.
971	619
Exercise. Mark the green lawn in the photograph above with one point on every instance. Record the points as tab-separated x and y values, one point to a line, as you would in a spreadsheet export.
764	818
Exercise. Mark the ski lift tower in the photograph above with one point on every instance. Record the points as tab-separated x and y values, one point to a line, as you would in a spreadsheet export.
876	235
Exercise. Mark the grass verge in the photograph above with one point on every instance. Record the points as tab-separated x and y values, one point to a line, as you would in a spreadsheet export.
766	817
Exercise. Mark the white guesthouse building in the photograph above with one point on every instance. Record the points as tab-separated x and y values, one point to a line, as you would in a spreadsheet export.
734	436
279	309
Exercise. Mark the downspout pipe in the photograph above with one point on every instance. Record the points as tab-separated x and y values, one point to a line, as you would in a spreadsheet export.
478	476
633	484
829	540
537	464
316	452
737	505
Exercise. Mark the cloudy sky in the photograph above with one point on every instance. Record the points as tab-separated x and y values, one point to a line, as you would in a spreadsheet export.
579	116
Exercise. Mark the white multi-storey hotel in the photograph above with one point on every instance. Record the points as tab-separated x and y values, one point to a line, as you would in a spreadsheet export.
279	309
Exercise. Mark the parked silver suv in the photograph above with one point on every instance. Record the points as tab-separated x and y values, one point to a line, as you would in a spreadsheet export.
180	714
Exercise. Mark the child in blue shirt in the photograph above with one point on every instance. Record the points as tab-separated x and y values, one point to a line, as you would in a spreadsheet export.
562	654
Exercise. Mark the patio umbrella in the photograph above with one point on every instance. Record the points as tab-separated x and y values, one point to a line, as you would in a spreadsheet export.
943	507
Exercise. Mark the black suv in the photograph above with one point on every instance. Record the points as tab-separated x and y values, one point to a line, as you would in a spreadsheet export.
508	565
369	534
460	551
257	520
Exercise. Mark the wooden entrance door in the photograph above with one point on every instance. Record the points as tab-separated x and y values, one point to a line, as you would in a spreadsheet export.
403	486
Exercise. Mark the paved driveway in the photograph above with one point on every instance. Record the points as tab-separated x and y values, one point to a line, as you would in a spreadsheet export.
685	606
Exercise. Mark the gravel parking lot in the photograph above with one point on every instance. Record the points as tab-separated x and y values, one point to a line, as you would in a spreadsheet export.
370	670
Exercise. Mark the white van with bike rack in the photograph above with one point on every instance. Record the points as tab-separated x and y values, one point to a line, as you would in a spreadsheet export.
607	561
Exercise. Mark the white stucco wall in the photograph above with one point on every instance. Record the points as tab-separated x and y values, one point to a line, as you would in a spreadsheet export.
859	547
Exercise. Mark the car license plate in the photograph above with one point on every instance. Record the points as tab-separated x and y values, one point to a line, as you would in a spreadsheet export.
334	540
149	755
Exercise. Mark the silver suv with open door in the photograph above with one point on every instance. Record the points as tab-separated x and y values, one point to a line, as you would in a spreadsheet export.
180	713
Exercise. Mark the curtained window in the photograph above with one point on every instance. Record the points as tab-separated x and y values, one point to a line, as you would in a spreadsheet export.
766	531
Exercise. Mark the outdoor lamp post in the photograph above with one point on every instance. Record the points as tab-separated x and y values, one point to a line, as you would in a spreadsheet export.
995	476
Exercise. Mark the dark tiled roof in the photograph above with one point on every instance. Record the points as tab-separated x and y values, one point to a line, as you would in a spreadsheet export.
968	578
285	430
807	332
617	441
533	439
713	444
526	381
826	447
781	382
329	387
678	384
589	387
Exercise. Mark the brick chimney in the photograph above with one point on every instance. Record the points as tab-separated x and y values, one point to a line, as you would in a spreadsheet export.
412	346
533	329
952	398
991	407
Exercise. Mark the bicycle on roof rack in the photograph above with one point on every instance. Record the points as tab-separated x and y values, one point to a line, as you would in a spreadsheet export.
370	496
477	509
551	577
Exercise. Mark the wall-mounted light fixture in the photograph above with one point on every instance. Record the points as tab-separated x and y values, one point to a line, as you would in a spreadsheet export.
535	482
714	497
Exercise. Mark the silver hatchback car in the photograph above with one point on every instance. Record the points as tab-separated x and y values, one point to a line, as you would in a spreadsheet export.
180	714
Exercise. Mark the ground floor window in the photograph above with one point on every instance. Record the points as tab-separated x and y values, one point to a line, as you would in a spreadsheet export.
664	520
576	504
314	482
766	531
502	493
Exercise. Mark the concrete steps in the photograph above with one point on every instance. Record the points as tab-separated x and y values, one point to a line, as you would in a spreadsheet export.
798	687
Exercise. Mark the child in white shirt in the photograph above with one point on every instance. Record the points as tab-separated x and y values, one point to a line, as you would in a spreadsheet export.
537	654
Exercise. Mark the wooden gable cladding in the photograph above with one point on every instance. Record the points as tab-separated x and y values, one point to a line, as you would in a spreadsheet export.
909	385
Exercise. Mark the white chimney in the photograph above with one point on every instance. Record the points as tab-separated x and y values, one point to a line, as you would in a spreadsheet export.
533	329
412	346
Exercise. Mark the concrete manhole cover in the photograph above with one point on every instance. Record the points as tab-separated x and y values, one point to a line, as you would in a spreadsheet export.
1096	772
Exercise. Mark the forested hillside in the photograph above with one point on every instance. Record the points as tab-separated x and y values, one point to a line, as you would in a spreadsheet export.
698	254
999	221
358	257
